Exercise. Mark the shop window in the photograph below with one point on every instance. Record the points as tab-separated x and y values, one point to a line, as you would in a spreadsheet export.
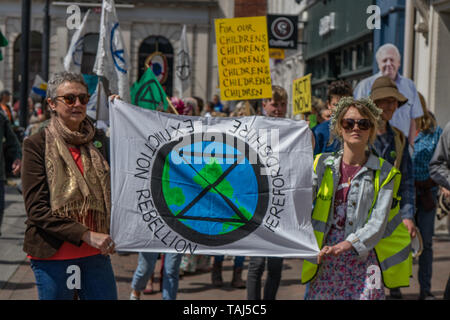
345	59
368	53
359	55
354	58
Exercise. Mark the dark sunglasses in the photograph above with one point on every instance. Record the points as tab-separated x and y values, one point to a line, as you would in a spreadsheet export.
70	99
349	124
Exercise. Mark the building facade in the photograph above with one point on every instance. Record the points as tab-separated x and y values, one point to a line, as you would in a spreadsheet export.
342	36
427	61
148	28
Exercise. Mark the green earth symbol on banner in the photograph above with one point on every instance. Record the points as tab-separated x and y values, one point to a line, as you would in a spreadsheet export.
209	197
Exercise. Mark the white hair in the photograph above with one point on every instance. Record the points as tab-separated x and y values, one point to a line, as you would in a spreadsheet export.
386	47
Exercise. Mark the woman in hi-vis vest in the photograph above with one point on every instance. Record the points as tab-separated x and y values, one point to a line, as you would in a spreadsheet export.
353	198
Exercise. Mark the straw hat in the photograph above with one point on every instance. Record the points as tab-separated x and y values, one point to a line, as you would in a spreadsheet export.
383	88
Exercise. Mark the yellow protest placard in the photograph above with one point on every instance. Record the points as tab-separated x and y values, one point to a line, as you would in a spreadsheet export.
275	53
243	58
301	95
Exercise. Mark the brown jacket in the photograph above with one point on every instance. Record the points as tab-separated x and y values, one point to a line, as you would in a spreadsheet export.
45	233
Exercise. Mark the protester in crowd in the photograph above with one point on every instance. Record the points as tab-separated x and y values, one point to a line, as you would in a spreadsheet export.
171	261
440	173
389	59
200	105
391	145
43	120
238	267
324	142
243	109
273	107
190	107
353	192
325	114
208	110
178	104
66	189
5	99
16	107
192	263
10	156
426	193
146	265
218	106
189	262
317	105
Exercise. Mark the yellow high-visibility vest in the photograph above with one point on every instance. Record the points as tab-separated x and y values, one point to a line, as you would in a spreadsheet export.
394	249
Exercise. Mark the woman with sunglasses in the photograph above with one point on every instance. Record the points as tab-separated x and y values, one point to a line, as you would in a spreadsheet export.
351	209
66	189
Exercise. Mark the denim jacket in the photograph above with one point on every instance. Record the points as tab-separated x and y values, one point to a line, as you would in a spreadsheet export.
362	233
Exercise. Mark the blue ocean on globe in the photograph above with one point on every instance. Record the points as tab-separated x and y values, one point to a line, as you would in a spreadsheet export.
190	173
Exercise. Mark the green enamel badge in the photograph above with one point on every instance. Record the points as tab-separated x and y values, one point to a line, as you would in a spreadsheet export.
98	144
393	154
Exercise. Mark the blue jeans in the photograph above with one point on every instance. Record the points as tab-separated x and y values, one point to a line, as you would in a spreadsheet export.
238	260
425	223
255	271
146	265
96	278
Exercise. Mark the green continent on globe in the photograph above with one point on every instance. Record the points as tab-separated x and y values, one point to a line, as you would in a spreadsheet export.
173	196
207	176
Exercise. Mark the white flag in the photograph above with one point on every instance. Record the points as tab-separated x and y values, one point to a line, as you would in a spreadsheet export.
103	108
74	56
183	66
210	185
97	107
112	60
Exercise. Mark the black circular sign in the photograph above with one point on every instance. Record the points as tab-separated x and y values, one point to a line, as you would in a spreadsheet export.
282	28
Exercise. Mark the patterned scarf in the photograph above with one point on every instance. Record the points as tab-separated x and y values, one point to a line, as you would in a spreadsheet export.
85	198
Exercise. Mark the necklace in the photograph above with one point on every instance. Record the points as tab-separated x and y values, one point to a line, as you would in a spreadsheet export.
346	168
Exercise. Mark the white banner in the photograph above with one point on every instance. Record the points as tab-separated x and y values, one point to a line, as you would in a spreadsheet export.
183	66
98	101
74	56
112	61
235	186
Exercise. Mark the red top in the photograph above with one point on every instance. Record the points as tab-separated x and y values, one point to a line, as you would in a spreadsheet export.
67	250
340	199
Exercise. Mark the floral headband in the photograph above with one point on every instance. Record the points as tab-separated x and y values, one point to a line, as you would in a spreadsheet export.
349	101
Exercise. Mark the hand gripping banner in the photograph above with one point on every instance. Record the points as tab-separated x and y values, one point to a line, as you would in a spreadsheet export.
235	186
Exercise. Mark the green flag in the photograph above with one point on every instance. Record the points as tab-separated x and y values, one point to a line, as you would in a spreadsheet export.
3	43
148	93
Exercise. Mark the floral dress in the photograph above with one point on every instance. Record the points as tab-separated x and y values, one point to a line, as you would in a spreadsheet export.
345	277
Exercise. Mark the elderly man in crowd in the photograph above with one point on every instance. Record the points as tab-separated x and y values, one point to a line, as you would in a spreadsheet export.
389	59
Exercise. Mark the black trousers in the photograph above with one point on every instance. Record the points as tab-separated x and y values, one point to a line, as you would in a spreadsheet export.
255	271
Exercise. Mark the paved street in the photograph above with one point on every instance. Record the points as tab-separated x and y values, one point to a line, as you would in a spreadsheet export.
17	279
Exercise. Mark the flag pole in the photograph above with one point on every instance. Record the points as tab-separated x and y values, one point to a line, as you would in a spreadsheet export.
171	105
98	100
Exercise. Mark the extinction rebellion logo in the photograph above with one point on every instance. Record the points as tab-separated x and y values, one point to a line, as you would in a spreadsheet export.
202	196
209	188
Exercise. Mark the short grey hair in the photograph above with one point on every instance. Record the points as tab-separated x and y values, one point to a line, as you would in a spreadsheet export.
59	78
191	102
386	47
